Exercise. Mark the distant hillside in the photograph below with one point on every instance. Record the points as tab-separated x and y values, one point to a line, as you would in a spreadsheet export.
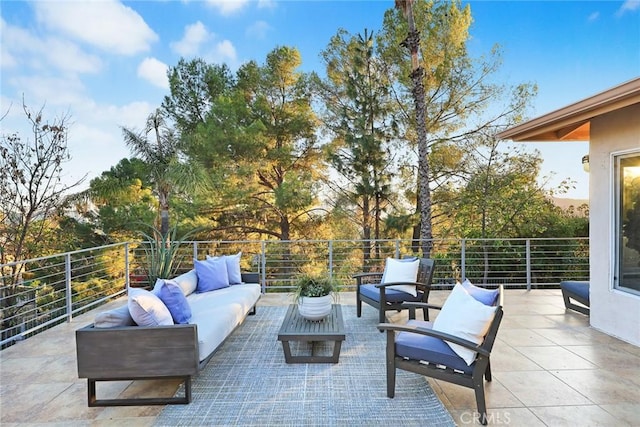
566	203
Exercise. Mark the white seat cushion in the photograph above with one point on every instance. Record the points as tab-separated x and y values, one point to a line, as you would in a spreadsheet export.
217	313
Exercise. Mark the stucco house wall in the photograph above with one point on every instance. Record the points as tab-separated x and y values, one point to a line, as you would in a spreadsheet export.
613	312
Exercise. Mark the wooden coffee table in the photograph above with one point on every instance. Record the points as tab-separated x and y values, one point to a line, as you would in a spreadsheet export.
296	328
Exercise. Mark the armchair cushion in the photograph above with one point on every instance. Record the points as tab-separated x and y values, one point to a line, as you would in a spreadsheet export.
401	270
464	317
485	296
391	295
435	350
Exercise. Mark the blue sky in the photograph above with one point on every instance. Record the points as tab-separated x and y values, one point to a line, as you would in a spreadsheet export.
104	62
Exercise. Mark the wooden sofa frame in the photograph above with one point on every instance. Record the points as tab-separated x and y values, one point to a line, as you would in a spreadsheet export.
141	353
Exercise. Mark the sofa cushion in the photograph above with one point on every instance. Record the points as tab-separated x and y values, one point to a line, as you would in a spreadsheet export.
212	274
171	295
217	313
233	267
188	282
464	317
147	309
112	318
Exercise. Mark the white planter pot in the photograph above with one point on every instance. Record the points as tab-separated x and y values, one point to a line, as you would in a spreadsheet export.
314	308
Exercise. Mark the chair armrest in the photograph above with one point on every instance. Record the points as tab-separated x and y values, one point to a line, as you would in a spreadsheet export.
420	305
360	275
384	285
250	277
436	334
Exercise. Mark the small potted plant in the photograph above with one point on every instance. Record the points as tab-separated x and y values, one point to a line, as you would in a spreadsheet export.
314	295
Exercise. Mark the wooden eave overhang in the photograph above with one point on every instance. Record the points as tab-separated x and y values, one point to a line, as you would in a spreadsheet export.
572	123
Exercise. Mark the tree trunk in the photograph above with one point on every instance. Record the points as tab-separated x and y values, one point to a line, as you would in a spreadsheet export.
412	42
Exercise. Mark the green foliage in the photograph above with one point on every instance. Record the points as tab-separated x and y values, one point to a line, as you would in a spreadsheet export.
359	102
162	253
308	285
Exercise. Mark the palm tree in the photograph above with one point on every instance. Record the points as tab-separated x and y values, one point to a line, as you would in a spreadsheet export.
412	42
163	155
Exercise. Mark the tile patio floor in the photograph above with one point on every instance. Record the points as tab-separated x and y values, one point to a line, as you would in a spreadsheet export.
549	369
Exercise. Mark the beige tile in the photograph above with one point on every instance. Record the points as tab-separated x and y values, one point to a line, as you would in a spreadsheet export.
70	405
125	422
21	402
497	417
522	337
505	358
570	319
625	413
566	336
554	357
540	388
606	356
458	397
602	387
534	321
571	416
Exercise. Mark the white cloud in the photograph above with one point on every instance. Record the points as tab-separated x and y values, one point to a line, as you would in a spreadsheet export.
227	7
629	6
194	36
54	91
593	17
223	52
154	71
258	30
21	47
266	4
67	56
107	24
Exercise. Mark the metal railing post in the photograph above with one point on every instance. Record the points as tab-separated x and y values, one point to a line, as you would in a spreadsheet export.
127	266
528	260
263	266
463	259
397	248
67	278
330	259
195	250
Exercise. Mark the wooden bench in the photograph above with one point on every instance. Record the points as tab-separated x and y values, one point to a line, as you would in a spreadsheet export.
578	291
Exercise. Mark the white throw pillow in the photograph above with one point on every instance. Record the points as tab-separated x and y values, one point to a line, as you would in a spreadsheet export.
117	317
147	309
398	270
464	317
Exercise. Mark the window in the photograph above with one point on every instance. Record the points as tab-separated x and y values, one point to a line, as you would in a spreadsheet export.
627	231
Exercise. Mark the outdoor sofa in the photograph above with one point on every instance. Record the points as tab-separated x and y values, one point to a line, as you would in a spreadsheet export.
115	348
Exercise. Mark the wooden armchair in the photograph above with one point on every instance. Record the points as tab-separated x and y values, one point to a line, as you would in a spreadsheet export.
384	297
418	347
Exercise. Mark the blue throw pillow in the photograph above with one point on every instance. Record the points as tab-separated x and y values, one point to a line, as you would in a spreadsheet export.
485	296
233	267
171	295
212	274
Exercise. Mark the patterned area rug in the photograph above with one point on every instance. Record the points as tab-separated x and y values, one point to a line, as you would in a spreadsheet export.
248	383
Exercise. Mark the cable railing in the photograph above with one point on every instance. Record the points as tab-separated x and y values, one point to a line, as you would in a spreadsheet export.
39	293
